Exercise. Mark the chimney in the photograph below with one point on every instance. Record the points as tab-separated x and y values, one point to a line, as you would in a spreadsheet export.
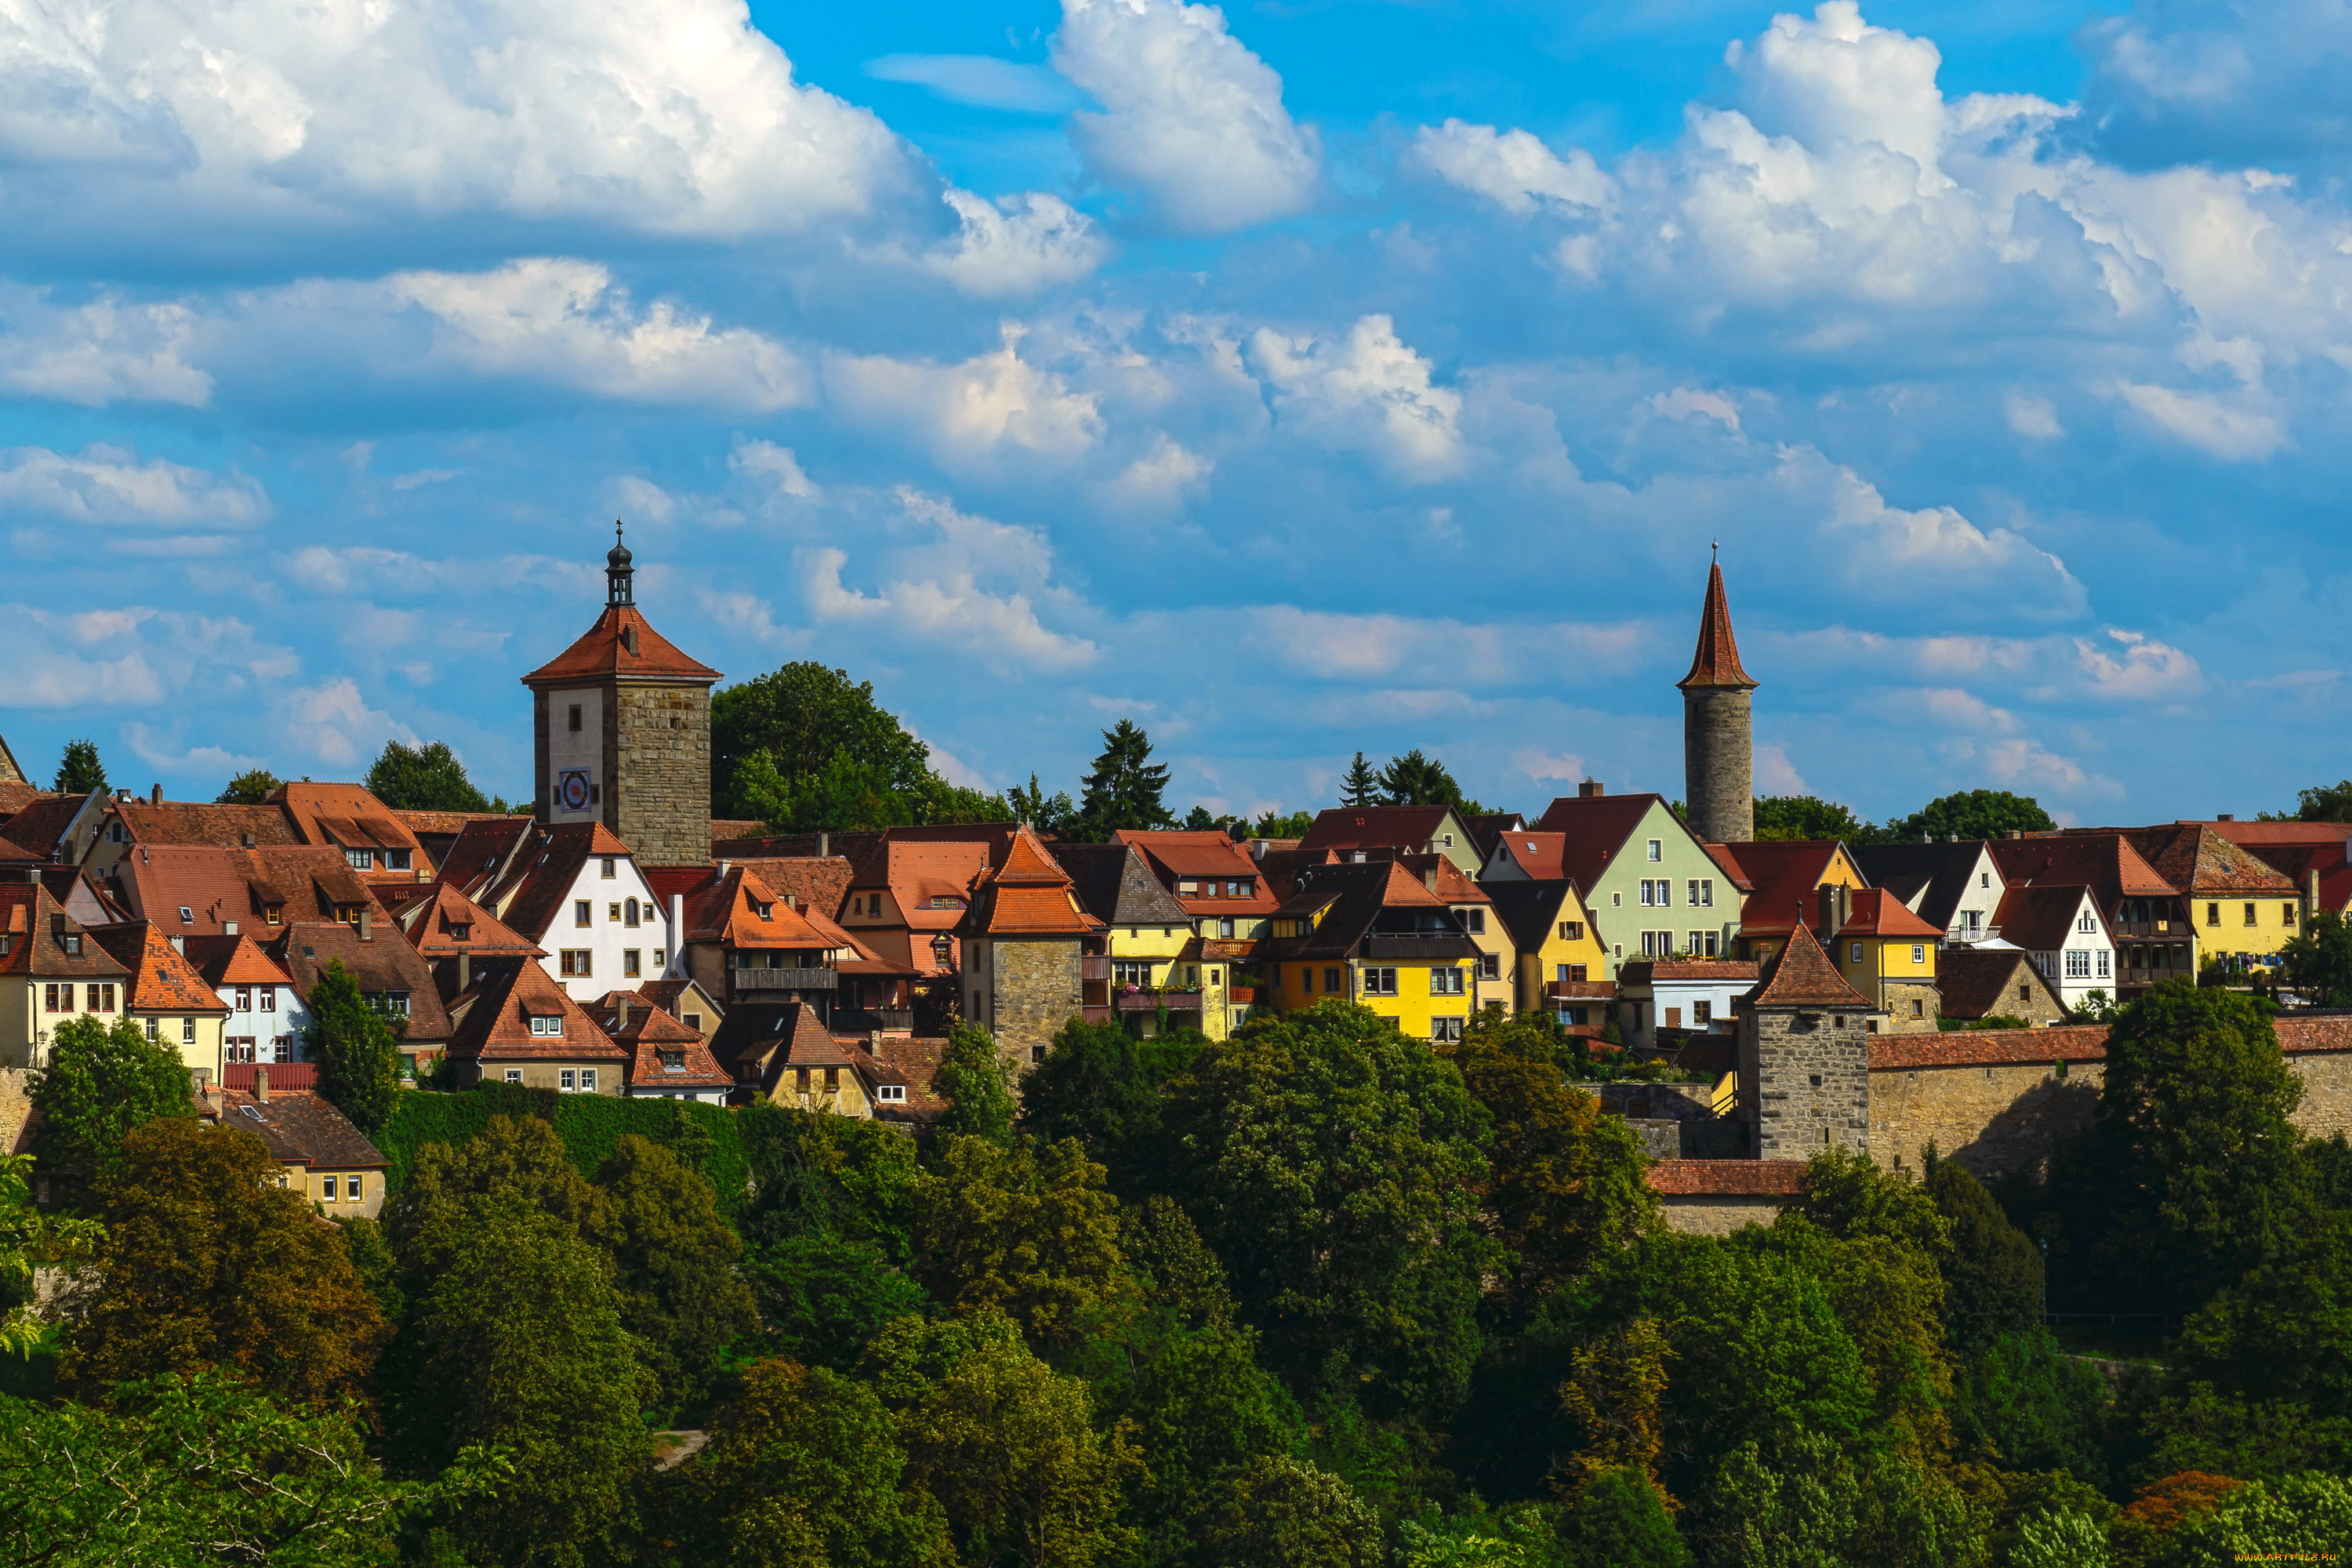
1825	914
1429	878
180	945
1951	838
725	866
621	1024
1589	790
465	971
155	797
367	923
1927	838
423	875
2226	816
262	1082
228	928
2017	833
824	845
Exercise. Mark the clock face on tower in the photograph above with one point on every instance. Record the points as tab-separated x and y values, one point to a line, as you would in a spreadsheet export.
572	790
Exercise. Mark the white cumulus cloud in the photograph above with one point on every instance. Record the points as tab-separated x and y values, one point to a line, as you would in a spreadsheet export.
971	410
1512	169
1016	245
105	484
1369	391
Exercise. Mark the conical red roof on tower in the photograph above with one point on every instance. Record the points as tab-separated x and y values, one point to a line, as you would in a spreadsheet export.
1716	661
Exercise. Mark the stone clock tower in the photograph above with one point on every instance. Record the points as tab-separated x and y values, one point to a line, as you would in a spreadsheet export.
621	731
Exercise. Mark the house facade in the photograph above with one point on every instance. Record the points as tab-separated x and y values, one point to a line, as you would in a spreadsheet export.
1357	832
162	993
2063	931
1888	955
1023	942
52	970
1372	933
1650	885
574	891
1558	964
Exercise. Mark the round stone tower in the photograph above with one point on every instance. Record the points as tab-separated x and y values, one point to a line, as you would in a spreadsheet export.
1718	767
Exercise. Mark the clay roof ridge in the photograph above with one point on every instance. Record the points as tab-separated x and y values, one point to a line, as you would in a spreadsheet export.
1714	662
1802	975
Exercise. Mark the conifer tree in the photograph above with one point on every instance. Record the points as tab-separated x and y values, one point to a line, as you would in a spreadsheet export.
1362	785
79	771
356	1050
1125	787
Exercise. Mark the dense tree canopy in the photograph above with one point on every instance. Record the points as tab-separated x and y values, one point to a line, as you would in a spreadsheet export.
357	1048
2321	802
1125	789
1973	814
78	770
2319	960
1804	817
1413	779
429	777
803	748
1022	1230
674	1265
250	787
101	1081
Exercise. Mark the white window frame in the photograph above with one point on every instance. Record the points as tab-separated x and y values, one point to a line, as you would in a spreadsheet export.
1918	952
1853	952
587	1080
514	1075
2103	962
563	1079
2078	963
1657	851
1446	981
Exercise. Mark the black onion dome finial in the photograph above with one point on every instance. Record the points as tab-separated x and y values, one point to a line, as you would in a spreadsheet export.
618	572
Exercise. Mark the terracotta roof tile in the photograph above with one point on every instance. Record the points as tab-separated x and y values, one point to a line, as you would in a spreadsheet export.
604	650
1650	971
15	795
1537	853
1728	1178
1976	981
1931	877
813	883
526	872
2200	862
1025	893
1597	828
1716	661
1989	1047
35	948
2313	1032
39	824
2040	917
2105	862
1782	876
436	913
384	963
160	979
1802	975
235	960
1877	912
652	1035
186	822
300	1128
1407	827
494	1020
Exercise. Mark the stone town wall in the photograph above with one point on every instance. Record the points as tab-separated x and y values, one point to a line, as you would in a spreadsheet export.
15	1106
1034	991
657	796
1912	1005
1719	1214
1994	1118
1805	1074
1719	772
2326	1108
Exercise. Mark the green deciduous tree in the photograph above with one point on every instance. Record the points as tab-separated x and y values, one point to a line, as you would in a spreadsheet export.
1054	814
2321	802
673	1264
101	1082
357	1049
2021	1402
250	787
803	748
1024	1230
1282	825
1102	1085
976	1081
1992	1274
1973	814
1805	816
78	770
27	1238
517	1345
190	1472
1278	1511
2319	961
1417	780
1125	788
424	778
803	1470
1007	1446
1361	785
209	1262
1619	1519
1329	1161
822	1298
513	1160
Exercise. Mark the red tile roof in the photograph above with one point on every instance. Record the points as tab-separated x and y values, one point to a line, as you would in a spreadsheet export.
651	1034
235	960
1536	853
1874	912
1728	1178
1411	828
34	947
1716	661
15	795
1025	893
809	883
39	824
604	650
2105	862
1802	975
217	885
300	1128
161	981
188	822
2200	861
432	916
1597	828
1976	981
1718	969
1989	1047
1783	874
383	962
493	1020
525	871
2040	917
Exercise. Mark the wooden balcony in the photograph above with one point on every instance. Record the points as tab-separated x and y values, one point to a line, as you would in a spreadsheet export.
755	980
1093	1014
1241	995
1152	1000
1094	966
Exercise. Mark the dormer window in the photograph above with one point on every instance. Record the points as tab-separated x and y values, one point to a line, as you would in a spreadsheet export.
396	861
73	944
673	1062
274	914
348	913
461	931
361	860
187	916
544	1026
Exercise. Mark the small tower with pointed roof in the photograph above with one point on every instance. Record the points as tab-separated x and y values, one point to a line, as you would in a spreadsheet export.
1718	764
621	731
1804	1055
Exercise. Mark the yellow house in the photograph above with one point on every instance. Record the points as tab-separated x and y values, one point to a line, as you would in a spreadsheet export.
1147	957
164	992
1558	964
51	970
1784	880
1888	955
2242	910
1372	933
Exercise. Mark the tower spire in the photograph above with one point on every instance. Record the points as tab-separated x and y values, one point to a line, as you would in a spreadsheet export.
1719	762
620	576
1716	660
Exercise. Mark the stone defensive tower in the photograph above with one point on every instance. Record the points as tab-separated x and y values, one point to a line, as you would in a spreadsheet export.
1718	767
1804	1056
621	731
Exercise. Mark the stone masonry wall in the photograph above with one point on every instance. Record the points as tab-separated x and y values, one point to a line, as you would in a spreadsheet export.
1896	996
2326	1108
16	1108
1718	773
657	793
1035	991
1992	1119
1719	1215
1805	1080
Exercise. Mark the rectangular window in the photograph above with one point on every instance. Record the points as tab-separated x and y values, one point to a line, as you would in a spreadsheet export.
2212	914
269	998
1644	895
546	1024
361	860
587	1080
1475	921
327	1188
1702	1012
2287	914
1657	850
274	914
566	1080
59	999
245	998
1490	967
1445	983
572	720
100	999
1443	1031
891	1093
629	912
396	860
514	1075
1918	952
2250	914
187	1031
155	1029
582	912
573	962
629	962
2087	923
396	1004
2104	957
1572	930
1854	954
1649	944
613	912
1188	887
1130	971
1225	926
1576	972
612	868
2078	963
1335	982
1381	982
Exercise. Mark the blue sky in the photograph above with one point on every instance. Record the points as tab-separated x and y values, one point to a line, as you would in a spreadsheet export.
1295	379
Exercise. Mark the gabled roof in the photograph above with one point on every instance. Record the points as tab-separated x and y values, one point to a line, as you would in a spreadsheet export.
1190	852
1708	970
809	883
1728	864
1999	1047
383	962
1413	828
1537	854
41	823
220	886
1597	827
1932	877
527	877
2106	862
738	910
493	1022
1530	911
1114	885
758	1044
919	872
670	995
348	815
434	916
1451	882
1025	893
15	795
1802	975
234	961
605	650
204	822
1485	826
160	979
2041	918
36	948
299	1127
1363	899
1974	981
2200	862
1716	661
649	1033
1873	912
1784	874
